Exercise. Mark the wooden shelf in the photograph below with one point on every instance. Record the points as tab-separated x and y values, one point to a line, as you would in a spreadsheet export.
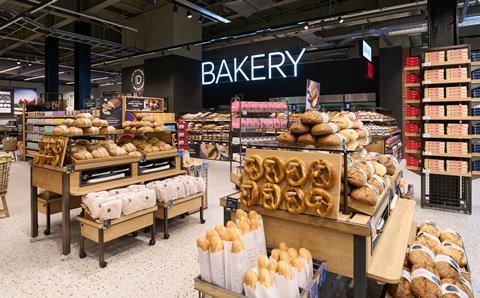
425	153
475	81
410	85
461	81
413	168
42	124
475	63
475	154
425	171
429	136
413	118
409	134
445	63
48	117
412	151
389	253
412	68
32	141
415	102
465	118
475	173
459	99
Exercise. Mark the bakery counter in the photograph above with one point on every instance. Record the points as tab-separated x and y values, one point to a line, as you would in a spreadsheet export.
345	242
78	180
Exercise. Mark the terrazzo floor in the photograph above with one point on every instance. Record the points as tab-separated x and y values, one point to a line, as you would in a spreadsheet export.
34	268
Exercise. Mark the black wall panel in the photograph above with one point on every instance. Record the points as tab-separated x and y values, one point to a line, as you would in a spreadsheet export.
336	77
390	83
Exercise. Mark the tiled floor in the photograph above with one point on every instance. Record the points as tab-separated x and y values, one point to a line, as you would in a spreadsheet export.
35	268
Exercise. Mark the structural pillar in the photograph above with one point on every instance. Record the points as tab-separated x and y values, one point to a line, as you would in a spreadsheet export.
51	67
442	23
82	67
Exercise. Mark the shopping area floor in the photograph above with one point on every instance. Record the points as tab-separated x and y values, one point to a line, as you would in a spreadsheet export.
34	268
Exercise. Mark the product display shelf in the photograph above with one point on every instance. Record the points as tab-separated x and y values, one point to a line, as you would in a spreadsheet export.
412	85
354	244
446	63
447	189
407	101
412	102
412	68
412	151
413	135
76	180
238	148
413	168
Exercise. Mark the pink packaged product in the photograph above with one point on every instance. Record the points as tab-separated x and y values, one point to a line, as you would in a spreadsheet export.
457	92
457	110
435	164
457	54
435	74
434	128
457	129
235	106
435	93
435	111
457	166
457	147
438	56
435	146
457	73
236	122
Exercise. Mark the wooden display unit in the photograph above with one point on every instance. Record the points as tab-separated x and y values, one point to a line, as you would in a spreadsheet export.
181	206
101	232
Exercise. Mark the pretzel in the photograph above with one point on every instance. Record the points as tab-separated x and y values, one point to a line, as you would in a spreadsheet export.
320	200
55	160
274	169
271	196
295	200
254	167
296	172
249	193
322	174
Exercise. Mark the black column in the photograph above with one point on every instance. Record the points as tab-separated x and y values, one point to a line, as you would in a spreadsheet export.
442	23
51	65
82	67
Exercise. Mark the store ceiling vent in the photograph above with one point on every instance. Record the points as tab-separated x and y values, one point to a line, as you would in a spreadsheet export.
313	39
248	7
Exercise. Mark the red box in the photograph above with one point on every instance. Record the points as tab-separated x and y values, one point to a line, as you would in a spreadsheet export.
412	61
412	127
412	78
413	94
412	161
413	145
413	111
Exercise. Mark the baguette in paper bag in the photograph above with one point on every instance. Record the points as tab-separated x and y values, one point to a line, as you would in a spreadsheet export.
238	266
267	284
306	258
204	258
300	273
217	261
287	285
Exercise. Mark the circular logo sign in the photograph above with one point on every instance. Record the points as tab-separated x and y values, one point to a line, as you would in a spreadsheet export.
137	79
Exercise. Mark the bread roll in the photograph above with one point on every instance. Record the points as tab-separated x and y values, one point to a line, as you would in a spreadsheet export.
275	254
68	122
97	122
451	236
82	123
455	252
299	128
251	279
283	246
306	139
324	129
350	134
202	243
129	147
287	137
430	241
237	246
425	282
231	224
262	261
305	254
254	224
61	130
421	255
108	130
314	117
283	269
265	278
292	252
430	228
211	233
272	267
284	256
216	244
447	267
297	264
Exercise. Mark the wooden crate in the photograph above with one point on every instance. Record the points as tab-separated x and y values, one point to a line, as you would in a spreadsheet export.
56	204
308	158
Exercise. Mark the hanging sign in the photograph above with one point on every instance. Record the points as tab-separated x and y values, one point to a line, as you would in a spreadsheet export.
251	68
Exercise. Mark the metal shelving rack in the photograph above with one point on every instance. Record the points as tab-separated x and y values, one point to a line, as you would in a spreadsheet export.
445	190
244	132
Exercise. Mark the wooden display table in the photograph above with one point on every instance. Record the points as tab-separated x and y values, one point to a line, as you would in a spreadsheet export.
346	243
72	181
181	206
101	232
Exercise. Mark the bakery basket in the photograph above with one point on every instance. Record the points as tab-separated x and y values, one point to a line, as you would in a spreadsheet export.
5	161
9	144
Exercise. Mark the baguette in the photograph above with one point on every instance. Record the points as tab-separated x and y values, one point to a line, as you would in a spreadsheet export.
202	243
265	278
237	246
251	279
284	270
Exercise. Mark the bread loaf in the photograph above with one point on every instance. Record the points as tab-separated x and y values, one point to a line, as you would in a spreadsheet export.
283	246
262	261
275	254
82	122
324	129
68	122
84	115
75	131
287	137
216	244
97	122
93	130
108	130
299	128
61	130
211	233
314	117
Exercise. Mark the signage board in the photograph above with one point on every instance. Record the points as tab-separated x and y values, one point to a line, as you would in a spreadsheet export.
252	68
313	95
6	102
366	50
111	110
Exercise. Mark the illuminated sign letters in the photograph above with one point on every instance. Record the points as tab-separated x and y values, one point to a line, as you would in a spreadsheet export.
261	67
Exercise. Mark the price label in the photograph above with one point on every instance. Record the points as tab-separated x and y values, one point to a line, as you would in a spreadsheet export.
426	117
427	64
243	129
231	204
244	112
427	82
426	99
427	153
107	223
426	135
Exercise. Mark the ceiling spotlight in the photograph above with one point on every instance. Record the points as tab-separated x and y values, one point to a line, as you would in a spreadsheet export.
175	8
18	62
29	63
340	20
200	19
189	14
306	27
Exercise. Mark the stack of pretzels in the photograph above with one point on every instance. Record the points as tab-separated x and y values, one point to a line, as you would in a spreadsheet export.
332	130
369	175
273	170
50	151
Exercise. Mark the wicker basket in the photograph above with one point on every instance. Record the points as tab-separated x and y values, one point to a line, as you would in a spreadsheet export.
4	171
9	144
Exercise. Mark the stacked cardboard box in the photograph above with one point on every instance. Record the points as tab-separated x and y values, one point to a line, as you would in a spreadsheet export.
457	73
435	147
457	148
435	164
435	74
435	93
412	161
460	129
457	110
457	92
457	55
437	56
434	111
434	128
457	166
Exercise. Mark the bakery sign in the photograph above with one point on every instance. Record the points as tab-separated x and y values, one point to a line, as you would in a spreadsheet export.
252	68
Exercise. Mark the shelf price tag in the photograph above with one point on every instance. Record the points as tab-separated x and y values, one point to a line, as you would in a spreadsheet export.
244	112
426	99
426	135
427	153
427	64
426	117
427	82
231	204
